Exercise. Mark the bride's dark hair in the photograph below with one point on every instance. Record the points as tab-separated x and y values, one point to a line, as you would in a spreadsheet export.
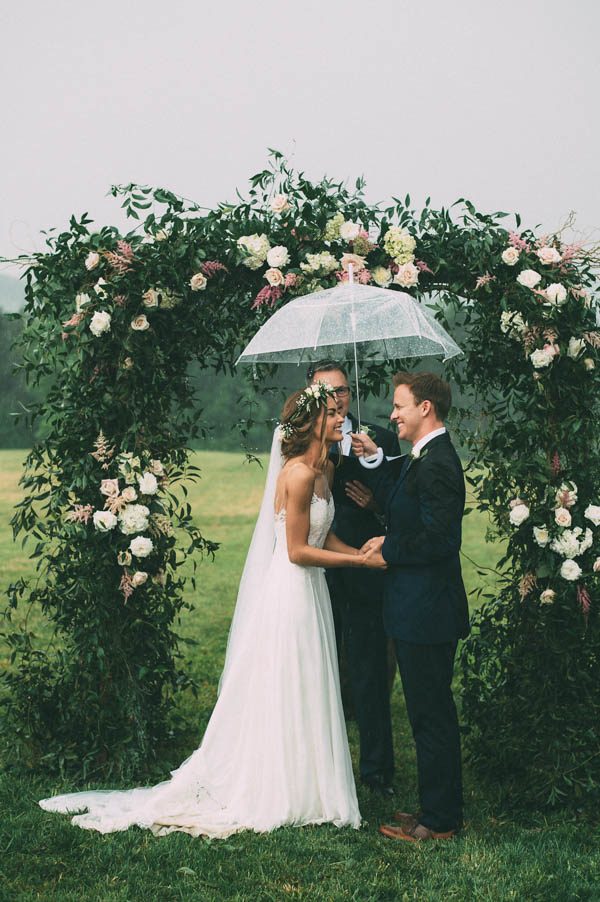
298	426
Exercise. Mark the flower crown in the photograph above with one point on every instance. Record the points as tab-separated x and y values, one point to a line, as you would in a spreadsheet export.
317	393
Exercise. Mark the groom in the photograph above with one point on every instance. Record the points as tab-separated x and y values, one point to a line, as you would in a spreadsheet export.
425	604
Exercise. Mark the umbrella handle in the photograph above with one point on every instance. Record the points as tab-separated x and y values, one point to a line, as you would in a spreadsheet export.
353	321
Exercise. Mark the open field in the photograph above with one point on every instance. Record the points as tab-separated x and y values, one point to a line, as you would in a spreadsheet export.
496	858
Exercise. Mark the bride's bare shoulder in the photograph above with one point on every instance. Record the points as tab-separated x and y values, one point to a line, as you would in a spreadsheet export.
299	479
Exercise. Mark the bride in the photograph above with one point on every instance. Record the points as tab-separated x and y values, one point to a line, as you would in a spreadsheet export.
275	750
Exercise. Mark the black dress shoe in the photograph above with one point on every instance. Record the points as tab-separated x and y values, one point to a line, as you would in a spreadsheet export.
377	783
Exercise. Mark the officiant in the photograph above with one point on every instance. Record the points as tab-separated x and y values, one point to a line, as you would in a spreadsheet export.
357	595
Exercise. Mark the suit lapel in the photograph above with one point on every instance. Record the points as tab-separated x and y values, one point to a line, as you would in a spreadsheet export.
412	461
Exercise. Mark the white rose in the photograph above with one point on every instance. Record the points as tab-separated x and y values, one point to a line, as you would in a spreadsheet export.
274	277
562	516
161	235
92	260
198	282
129	494
570	570
518	514
278	256
589	363
140	323
596	566
81	300
157	468
99	288
147	484
279	203
548	255
407	275
141	546
547	596
349	230
133	518
541	358
556	293
150	298
104	521
576	347
541	535
139	578
382	276
592	513
510	256
100	323
529	278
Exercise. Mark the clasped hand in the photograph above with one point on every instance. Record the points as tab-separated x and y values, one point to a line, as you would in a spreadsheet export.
372	553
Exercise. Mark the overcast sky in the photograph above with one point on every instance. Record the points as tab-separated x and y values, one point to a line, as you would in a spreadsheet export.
495	101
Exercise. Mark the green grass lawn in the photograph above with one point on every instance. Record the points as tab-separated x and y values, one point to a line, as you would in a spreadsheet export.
43	857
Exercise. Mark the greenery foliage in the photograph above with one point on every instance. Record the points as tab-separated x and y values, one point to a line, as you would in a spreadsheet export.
115	321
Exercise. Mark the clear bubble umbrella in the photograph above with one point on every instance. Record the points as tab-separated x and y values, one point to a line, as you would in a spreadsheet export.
350	322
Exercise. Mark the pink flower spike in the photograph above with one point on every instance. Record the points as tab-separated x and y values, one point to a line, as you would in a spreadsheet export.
75	320
585	602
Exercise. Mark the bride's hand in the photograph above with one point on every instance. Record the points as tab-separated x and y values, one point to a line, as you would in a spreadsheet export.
374	560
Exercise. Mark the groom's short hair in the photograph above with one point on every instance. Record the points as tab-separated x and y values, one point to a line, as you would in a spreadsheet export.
324	366
427	387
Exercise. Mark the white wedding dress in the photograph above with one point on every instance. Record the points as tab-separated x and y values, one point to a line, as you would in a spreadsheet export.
275	750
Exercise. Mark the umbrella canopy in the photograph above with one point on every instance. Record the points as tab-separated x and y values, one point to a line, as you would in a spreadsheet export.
350	322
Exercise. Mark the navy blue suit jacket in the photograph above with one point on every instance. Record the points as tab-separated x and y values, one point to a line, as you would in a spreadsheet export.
424	595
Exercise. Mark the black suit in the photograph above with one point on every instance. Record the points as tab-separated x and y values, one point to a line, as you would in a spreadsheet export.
426	612
357	600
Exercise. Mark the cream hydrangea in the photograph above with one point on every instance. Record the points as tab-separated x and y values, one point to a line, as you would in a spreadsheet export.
512	323
400	245
332	229
572	542
323	263
255	248
133	518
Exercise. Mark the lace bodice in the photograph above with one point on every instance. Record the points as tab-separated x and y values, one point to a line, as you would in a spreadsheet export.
321	517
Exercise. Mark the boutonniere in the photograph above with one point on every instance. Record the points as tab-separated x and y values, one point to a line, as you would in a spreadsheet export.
418	455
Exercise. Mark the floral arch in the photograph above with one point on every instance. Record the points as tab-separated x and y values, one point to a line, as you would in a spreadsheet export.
115	320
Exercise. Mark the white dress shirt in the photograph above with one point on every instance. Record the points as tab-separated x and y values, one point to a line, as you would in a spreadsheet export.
346	442
375	459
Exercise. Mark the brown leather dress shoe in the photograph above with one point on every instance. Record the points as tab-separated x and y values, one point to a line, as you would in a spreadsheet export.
405	819
416	833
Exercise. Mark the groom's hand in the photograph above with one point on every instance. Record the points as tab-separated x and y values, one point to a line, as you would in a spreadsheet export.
375	560
373	545
362	445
